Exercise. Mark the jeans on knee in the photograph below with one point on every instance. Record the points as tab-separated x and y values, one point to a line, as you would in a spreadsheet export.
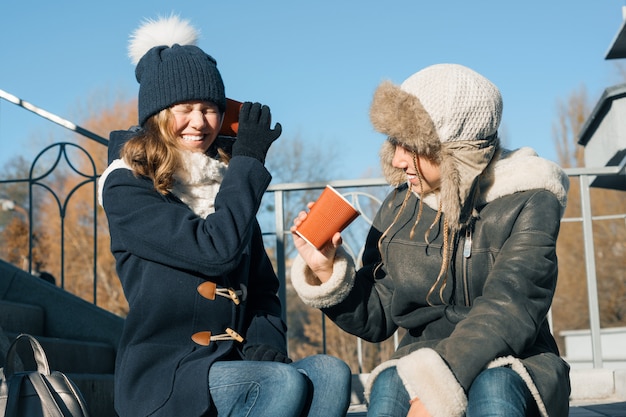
497	392
317	386
388	397
330	385
500	392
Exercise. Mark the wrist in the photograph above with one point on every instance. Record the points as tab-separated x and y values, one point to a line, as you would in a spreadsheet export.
243	151
323	274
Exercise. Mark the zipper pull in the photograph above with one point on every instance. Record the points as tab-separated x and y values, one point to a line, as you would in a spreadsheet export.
467	246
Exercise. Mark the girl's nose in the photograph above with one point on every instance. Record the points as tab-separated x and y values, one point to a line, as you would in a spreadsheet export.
197	119
399	158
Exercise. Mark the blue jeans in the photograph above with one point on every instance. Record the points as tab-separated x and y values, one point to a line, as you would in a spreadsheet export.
500	392
388	397
316	386
495	392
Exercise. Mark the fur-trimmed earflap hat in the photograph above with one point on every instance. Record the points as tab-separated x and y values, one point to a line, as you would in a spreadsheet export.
449	114
171	68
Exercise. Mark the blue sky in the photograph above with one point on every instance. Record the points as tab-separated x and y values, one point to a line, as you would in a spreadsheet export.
315	63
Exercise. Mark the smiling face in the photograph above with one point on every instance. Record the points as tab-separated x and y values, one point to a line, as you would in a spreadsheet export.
196	124
412	163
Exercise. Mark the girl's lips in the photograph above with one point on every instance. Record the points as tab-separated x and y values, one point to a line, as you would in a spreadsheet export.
193	138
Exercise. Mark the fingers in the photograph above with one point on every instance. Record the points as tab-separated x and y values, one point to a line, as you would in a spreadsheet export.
244	111
264	115
332	246
253	111
265	120
337	240
257	112
278	130
297	221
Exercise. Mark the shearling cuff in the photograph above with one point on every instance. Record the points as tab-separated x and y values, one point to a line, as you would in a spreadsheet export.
321	295
517	365
427	377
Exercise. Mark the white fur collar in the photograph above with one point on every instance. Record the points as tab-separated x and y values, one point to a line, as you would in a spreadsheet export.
197	182
514	171
522	170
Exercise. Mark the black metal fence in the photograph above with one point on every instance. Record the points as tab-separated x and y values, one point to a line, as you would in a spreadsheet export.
274	214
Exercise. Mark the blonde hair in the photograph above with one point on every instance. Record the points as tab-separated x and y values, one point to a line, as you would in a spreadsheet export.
448	237
155	152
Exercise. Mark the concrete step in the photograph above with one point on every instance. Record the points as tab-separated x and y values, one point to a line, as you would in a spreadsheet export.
97	390
597	386
66	315
65	355
20	317
70	356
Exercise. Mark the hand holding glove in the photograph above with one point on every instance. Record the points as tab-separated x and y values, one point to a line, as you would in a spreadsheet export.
264	353
254	135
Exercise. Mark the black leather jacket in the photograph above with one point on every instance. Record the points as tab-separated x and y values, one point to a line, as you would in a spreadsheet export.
500	285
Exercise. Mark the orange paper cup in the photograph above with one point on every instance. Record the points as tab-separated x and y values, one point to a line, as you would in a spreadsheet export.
330	214
231	118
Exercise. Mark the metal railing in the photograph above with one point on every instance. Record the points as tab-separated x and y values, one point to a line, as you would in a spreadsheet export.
278	193
584	176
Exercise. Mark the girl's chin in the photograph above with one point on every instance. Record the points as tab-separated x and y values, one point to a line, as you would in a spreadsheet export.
194	146
425	189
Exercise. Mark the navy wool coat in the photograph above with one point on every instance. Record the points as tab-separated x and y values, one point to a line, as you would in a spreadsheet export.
163	251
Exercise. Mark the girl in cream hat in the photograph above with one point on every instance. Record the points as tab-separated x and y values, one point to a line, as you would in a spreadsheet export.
461	255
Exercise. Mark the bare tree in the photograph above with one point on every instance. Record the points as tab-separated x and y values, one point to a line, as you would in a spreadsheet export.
571	116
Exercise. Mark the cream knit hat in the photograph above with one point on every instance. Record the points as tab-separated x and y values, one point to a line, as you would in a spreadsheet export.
462	104
450	114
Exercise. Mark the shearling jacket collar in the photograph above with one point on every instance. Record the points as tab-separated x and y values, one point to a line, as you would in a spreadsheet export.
502	177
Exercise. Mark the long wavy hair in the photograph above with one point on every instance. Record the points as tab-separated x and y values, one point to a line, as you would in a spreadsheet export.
448	235
156	152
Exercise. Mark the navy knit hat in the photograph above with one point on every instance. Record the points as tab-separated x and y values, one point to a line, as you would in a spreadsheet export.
171	68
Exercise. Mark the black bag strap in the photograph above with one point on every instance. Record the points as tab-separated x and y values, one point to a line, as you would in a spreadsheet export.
14	395
76	394
48	404
38	353
9	394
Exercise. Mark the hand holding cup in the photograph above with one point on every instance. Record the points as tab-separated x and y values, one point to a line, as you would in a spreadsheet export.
317	234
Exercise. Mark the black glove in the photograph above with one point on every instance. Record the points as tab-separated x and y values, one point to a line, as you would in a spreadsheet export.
254	135
264	353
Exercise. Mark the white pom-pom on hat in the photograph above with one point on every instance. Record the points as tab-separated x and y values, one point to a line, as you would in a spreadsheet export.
162	31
